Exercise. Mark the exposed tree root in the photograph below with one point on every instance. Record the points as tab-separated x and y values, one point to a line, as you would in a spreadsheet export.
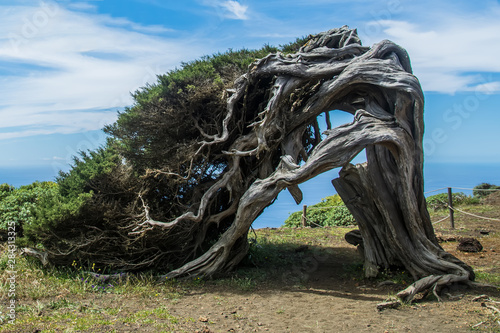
431	283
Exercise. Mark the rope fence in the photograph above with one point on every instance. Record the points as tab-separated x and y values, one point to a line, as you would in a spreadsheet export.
439	189
463	188
477	189
306	221
453	209
311	222
466	213
443	219
329	207
478	216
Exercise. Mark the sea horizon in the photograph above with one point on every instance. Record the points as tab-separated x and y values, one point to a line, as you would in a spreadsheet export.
461	177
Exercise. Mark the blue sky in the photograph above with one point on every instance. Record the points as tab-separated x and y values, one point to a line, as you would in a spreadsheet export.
67	67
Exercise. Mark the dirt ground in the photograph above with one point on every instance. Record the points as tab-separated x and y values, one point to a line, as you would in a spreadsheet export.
327	304
321	293
327	301
312	309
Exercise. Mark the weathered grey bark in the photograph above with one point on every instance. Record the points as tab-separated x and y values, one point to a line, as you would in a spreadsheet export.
333	71
393	219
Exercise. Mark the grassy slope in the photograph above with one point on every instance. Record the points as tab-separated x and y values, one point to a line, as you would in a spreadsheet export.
48	299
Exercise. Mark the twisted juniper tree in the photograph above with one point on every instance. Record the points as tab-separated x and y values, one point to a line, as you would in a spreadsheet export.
204	152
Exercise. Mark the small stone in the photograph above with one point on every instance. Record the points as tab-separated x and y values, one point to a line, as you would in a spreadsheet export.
203	319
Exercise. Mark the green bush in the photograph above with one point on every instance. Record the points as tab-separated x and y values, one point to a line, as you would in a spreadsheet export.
19	205
5	190
440	201
331	211
484	186
340	216
154	165
72	195
51	212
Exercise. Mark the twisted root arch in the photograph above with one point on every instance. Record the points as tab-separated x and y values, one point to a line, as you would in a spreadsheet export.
333	71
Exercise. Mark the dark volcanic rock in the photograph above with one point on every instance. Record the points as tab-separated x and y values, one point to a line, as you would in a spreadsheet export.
469	245
354	237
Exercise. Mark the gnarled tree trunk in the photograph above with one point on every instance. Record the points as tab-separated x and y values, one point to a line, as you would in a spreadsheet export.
268	139
385	195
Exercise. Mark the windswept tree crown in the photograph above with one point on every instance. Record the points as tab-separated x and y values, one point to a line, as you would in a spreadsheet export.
209	146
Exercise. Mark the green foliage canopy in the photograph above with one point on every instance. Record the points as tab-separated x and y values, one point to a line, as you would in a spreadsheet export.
152	167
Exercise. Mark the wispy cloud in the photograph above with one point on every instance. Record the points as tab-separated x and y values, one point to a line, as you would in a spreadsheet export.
54	158
65	68
449	53
235	9
228	8
76	67
107	20
82	6
488	88
453	48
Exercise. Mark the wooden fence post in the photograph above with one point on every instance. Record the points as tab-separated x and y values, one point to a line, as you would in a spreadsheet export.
304	214
450	206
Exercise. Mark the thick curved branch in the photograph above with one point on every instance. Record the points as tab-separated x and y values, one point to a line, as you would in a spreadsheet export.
338	148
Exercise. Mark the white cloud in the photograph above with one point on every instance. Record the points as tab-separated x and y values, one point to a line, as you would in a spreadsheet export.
75	64
78	67
448	52
228	8
82	6
17	123
125	23
488	88
54	158
235	9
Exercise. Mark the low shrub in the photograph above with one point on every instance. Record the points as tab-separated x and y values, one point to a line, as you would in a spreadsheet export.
479	190
18	205
331	211
440	201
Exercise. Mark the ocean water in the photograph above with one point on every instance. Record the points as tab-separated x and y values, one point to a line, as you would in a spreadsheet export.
24	175
436	176
459	176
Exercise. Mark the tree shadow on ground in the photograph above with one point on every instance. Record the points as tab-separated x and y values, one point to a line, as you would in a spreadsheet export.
333	270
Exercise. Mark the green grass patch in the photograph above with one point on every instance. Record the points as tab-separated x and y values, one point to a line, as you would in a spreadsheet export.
488	278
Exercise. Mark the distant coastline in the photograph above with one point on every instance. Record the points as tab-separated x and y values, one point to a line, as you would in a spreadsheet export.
24	175
463	175
436	175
